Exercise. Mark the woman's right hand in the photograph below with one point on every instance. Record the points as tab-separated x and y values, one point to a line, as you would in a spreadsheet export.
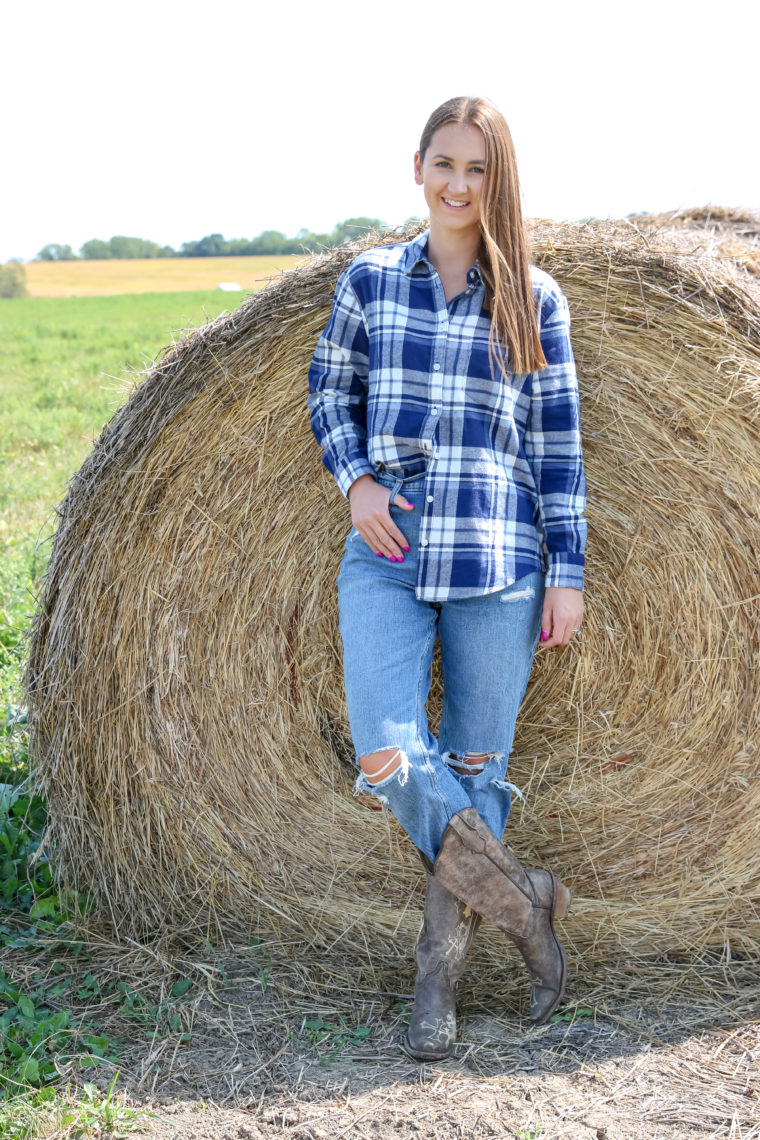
371	517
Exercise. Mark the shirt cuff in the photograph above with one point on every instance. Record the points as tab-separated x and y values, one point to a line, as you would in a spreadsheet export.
352	469
565	570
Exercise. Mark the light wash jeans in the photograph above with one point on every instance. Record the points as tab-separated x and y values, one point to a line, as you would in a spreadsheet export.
487	648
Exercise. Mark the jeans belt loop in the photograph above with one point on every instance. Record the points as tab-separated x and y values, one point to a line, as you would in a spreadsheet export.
397	485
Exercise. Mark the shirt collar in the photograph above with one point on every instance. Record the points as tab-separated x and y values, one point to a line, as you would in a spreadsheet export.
416	254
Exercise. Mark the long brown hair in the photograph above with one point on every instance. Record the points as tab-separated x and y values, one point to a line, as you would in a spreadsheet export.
504	247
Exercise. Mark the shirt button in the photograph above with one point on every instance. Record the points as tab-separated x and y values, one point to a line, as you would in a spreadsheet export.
436	368
424	542
434	411
430	498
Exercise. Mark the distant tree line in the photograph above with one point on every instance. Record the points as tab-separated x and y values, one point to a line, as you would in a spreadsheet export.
213	245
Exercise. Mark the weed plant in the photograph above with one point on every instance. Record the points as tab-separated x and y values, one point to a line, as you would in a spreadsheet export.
328	1038
53	1113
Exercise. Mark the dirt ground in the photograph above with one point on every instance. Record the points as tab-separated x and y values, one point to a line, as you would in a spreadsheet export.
660	1050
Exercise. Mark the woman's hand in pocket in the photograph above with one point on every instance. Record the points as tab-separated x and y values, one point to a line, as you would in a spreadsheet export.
371	517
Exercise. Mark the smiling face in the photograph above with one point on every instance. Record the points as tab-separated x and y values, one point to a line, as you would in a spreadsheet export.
451	173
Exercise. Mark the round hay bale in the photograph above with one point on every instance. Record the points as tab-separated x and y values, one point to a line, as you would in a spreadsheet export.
184	683
731	234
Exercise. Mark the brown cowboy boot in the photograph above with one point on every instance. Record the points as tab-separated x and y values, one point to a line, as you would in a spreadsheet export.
446	937
487	876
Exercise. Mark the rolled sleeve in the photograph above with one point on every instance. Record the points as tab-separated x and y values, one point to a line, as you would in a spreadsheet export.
338	389
553	448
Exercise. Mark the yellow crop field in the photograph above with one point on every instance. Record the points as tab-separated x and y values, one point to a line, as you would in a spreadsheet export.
151	275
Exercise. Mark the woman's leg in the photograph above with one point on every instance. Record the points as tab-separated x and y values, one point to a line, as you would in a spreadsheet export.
487	647
388	638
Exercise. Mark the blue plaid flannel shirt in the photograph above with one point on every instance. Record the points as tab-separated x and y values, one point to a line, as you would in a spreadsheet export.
401	381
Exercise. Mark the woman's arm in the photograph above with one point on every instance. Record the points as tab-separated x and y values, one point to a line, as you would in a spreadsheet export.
338	407
338	389
553	448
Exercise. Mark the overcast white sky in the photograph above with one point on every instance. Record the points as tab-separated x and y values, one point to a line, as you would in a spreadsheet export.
169	120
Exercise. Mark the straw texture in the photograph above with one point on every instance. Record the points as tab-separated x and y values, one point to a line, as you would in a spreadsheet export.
732	235
184	680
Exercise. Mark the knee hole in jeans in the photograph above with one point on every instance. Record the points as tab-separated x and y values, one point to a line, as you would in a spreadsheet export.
379	766
474	762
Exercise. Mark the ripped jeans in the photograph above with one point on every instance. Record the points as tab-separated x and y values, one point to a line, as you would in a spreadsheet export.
487	648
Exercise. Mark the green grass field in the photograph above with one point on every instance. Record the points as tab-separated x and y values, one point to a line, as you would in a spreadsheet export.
67	364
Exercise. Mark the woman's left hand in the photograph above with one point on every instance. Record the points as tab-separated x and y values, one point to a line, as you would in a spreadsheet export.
562	617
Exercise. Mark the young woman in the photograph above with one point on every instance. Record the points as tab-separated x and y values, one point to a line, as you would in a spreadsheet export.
444	394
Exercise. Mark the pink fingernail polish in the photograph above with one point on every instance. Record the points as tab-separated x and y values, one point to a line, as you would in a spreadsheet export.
406	548
379	554
544	635
391	558
401	559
